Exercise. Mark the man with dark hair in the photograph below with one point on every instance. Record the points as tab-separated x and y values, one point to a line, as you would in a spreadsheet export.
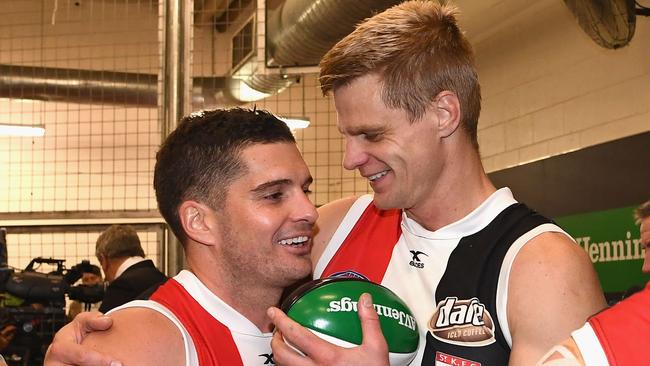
408	101
128	273
233	187
91	275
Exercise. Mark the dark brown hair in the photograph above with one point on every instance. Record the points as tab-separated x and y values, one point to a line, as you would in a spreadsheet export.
201	157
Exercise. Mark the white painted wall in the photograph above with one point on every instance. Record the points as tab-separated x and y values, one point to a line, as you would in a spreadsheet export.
549	89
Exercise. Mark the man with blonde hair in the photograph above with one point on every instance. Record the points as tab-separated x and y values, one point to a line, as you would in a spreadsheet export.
127	271
436	232
408	102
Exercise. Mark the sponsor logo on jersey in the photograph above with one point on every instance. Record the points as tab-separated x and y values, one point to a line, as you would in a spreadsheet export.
443	359
416	261
462	322
349	274
346	304
268	358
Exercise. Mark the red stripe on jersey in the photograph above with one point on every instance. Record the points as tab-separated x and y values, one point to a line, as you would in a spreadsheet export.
623	329
212	340
369	246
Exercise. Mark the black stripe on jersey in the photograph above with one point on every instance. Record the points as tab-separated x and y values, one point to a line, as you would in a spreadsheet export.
473	271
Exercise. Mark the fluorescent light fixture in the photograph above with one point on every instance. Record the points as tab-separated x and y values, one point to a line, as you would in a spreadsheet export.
295	123
21	130
245	93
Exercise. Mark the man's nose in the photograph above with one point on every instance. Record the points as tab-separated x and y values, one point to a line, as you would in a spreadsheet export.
354	155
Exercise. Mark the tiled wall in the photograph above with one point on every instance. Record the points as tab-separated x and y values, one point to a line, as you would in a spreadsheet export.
96	159
321	144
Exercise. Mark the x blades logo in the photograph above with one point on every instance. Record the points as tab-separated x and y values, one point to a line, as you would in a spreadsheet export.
415	260
268	358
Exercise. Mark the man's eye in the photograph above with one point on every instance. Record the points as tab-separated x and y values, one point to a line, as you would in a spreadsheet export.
274	196
371	136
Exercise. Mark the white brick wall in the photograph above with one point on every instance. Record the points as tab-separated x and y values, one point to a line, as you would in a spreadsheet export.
549	89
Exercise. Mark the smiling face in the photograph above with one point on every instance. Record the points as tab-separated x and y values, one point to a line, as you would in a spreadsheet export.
402	160
267	219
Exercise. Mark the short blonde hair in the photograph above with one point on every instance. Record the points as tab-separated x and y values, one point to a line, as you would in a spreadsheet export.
642	212
419	51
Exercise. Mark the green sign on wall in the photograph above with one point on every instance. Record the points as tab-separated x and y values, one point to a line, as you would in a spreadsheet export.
611	240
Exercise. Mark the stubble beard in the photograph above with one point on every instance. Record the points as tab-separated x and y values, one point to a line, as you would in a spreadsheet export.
249	270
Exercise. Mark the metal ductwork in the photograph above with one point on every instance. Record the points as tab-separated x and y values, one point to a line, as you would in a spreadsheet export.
93	86
78	86
299	33
302	31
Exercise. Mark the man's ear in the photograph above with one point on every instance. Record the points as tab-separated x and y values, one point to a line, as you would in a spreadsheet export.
198	222
447	108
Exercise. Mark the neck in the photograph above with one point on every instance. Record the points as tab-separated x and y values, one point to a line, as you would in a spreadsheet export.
113	265
249	299
461	188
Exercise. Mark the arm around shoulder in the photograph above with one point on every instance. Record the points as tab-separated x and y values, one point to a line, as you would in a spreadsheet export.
553	289
140	336
330	217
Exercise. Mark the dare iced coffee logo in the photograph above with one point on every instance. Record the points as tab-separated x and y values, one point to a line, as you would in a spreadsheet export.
462	322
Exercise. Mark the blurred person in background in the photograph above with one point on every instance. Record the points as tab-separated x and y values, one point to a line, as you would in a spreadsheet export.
127	272
642	216
91	277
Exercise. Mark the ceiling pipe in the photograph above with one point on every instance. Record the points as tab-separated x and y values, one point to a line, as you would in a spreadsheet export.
78	86
300	32
95	87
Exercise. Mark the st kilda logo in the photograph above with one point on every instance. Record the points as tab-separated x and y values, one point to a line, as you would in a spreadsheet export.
462	322
415	260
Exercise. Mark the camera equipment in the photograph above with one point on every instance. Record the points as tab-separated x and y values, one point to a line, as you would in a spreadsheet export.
34	302
50	288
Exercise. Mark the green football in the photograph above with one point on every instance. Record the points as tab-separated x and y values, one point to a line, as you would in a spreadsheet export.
328	308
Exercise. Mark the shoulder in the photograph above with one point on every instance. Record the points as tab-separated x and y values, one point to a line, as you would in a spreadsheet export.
145	268
140	336
552	290
551	255
330	216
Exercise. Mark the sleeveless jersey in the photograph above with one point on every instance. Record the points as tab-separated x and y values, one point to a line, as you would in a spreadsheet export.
213	332
617	335
454	280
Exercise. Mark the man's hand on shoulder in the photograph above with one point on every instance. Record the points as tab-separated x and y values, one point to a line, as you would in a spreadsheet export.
552	290
66	348
373	350
140	336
